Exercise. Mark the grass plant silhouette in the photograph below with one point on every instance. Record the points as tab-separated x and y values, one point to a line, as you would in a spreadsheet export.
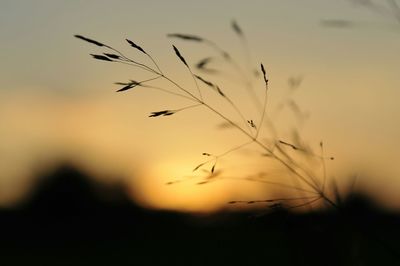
277	150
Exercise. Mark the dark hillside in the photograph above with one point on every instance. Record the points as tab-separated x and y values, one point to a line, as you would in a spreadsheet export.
72	221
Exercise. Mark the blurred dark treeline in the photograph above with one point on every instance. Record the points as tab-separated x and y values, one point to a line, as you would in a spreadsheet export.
70	220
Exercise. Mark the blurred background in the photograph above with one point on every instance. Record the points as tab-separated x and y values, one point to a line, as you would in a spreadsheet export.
57	104
77	158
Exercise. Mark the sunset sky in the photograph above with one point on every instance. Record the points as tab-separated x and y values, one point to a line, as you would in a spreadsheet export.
58	104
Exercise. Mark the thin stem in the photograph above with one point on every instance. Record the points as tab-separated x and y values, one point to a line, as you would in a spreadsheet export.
281	185
291	169
238	112
132	61
172	93
188	107
216	157
255	140
293	162
274	200
182	89
228	59
295	181
333	204
129	63
263	111
304	204
150	79
162	75
151	58
323	168
238	69
273	155
195	82
235	149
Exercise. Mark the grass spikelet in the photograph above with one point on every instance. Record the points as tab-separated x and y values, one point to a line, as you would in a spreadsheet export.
202	63
236	28
251	123
133	83
211	85
101	57
180	56
186	37
288	144
295	82
208	83
248	128
134	45
213	167
221	92
112	56
264	75
198	166
127	87
162	113
89	40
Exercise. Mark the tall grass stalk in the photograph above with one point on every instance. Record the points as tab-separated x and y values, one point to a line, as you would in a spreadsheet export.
251	130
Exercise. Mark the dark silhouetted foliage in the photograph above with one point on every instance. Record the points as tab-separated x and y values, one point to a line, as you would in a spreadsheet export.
71	220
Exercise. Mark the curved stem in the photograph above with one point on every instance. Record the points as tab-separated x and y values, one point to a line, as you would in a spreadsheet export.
263	111
132	61
253	139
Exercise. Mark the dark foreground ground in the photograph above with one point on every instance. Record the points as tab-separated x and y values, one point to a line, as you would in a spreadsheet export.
67	223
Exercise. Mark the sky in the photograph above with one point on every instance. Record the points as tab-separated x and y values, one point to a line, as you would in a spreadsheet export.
58	104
